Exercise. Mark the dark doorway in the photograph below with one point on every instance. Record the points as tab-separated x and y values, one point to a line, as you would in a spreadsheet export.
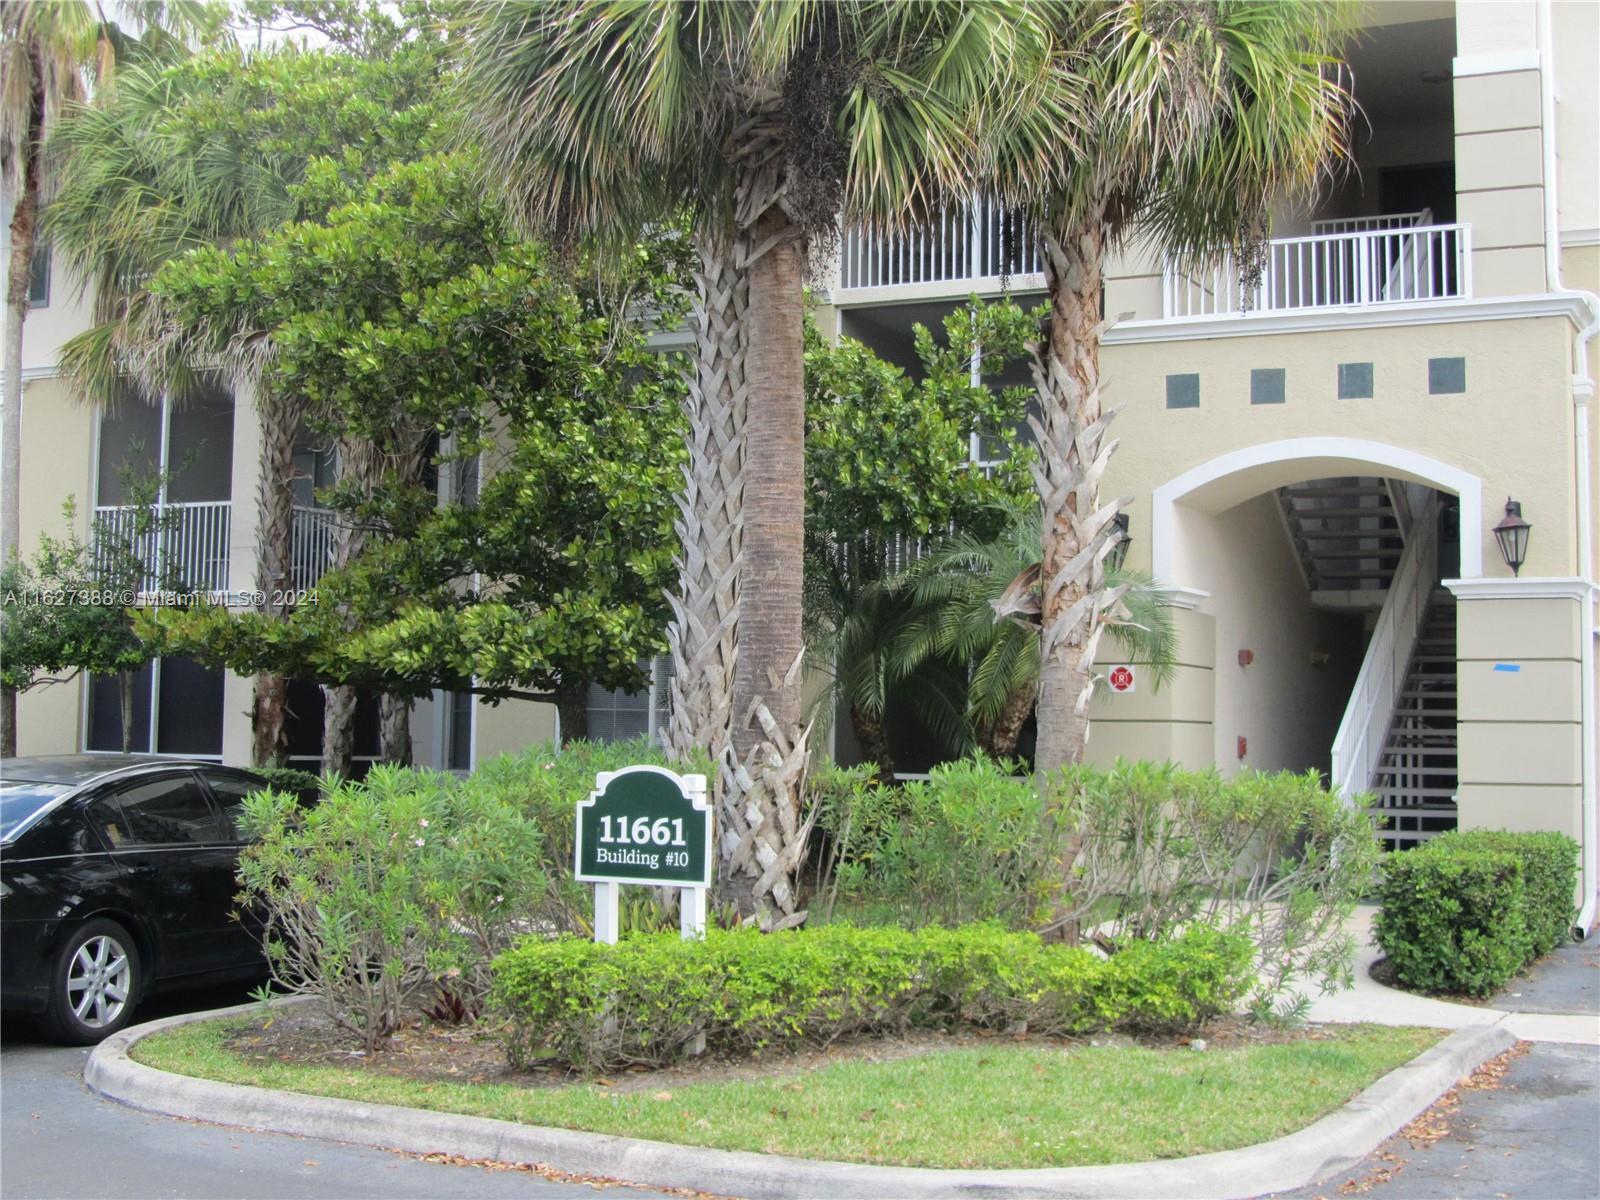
1414	188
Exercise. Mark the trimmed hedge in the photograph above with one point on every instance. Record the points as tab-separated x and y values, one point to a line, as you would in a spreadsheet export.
1467	911
643	1001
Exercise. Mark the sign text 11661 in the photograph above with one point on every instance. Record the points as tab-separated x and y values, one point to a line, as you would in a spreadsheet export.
645	825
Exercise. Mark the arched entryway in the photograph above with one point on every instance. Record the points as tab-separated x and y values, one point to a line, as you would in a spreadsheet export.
1321	560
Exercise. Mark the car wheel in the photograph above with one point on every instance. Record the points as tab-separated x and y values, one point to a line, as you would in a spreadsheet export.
94	984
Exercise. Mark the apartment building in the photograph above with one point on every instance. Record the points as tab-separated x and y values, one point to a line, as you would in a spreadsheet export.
1318	459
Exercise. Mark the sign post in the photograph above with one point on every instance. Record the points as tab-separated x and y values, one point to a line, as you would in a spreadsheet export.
650	826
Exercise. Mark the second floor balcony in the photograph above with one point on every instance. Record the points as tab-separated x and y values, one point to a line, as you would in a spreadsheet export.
164	547
1342	263
1345	262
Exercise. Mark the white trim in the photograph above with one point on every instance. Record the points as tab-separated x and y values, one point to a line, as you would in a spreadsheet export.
1468	487
1318	320
1555	587
945	289
30	374
1502	63
1185	597
1580	237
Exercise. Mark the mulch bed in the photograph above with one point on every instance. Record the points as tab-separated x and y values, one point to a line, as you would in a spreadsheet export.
430	1051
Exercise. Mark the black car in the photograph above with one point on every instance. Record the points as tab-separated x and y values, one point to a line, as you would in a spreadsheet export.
117	879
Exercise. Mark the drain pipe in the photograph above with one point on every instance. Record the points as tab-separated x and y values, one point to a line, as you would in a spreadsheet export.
1582	396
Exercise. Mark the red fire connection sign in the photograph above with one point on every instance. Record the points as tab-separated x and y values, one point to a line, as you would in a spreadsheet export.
1122	679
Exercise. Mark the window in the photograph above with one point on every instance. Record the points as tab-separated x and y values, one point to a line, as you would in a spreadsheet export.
39	279
177	709
229	792
458	718
617	716
162	812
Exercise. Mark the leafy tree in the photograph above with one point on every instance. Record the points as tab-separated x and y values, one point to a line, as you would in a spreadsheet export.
1197	118
889	473
49	51
759	120
410	310
209	152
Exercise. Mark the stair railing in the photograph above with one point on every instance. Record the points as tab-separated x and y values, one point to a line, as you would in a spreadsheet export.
1358	746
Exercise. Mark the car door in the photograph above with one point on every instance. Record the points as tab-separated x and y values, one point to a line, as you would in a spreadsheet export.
171	844
228	790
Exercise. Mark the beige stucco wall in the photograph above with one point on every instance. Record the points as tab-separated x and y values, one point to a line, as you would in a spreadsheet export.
56	466
1512	428
1520	712
1577	37
1175	722
511	727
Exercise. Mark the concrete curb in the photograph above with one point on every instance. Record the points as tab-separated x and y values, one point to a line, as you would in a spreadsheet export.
1333	1144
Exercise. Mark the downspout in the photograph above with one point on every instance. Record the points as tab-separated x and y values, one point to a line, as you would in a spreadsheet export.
1582	394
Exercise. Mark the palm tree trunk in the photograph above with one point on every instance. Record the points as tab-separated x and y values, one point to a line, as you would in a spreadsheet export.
1073	453
763	826
704	628
1000	739
395	729
873	739
280	424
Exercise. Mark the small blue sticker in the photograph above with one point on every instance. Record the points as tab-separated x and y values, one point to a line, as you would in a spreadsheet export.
1508	666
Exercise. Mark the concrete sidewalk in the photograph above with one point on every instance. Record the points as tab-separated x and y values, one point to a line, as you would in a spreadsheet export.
1559	1001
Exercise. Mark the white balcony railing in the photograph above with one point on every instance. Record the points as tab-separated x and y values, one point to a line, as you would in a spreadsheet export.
1334	269
973	245
178	547
1358	746
311	551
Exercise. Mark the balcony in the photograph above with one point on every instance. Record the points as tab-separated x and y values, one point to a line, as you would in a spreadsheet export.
311	552
1345	263
177	547
972	247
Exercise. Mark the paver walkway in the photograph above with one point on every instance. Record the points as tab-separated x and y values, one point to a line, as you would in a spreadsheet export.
1528	1130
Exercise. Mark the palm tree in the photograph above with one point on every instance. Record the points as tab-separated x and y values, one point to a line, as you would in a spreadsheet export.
1202	115
964	607
50	50
759	120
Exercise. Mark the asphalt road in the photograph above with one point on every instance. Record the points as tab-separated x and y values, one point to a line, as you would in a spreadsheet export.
59	1140
1533	1136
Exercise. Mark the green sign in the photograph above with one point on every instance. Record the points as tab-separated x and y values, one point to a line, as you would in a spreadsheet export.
645	825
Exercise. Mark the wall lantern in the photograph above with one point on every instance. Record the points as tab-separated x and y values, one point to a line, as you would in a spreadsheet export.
1119	552
1512	534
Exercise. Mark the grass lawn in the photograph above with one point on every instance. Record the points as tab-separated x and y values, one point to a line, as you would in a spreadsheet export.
999	1105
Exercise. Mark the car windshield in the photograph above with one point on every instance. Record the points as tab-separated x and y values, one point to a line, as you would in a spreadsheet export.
20	800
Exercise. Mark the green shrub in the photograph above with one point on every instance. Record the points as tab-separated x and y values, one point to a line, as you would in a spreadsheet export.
289	779
1151	850
1549	875
1467	911
396	892
1275	856
645	1000
971	843
545	785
